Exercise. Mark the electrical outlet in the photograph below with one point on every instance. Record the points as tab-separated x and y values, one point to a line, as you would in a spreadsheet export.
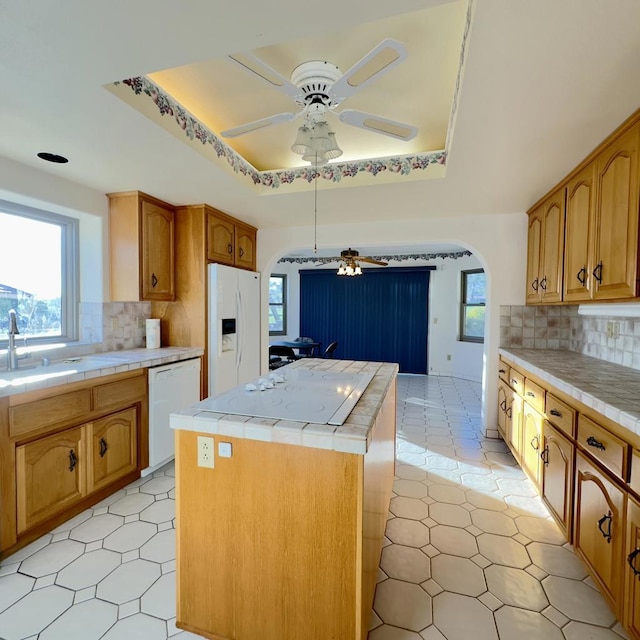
205	452
224	449
613	329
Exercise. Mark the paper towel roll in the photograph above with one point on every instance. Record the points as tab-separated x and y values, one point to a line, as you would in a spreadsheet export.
153	333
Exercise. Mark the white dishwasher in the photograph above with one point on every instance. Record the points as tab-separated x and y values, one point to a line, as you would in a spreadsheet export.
171	387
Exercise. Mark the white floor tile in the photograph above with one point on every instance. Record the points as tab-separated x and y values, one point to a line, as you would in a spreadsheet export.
129	581
86	621
137	627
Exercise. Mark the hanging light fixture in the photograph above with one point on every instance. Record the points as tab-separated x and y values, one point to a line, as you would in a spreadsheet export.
349	267
315	142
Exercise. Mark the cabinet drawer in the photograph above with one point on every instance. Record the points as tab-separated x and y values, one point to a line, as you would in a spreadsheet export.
604	446
534	395
503	371
120	392
516	381
561	415
39	414
635	471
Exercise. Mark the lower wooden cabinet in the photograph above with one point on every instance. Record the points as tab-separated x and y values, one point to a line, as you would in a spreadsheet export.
49	476
599	528
112	448
557	476
504	401
632	568
531	443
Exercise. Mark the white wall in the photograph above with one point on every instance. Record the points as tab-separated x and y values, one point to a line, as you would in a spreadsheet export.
444	306
498	241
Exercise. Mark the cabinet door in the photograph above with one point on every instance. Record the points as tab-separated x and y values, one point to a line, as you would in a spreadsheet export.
632	616
157	274
552	251
557	476
531	443
220	239
514	435
49	476
616	219
598	528
579	230
503	393
245	247
112	448
534	240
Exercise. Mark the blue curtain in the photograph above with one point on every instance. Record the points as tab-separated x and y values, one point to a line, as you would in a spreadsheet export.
381	315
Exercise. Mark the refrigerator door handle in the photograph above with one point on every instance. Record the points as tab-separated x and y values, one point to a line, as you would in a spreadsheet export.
239	330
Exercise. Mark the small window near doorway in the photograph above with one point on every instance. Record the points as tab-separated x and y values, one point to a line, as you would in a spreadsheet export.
473	305
277	304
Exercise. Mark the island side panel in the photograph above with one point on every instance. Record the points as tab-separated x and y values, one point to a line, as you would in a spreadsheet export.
269	542
379	471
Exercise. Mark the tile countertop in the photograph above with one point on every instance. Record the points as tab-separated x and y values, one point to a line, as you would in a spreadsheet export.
89	366
351	437
609	389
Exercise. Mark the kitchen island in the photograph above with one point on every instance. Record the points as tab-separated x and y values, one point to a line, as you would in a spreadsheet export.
282	540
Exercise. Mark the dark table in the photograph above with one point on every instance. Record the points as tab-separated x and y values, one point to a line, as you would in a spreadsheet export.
306	348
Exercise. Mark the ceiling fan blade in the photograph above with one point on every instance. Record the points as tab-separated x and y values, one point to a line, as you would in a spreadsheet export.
372	261
257	124
262	70
392	128
379	60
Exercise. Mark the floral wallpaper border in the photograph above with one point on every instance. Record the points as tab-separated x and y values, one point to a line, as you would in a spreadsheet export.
194	130
397	257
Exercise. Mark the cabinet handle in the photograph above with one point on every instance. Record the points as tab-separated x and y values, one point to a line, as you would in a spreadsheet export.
534	285
556	413
544	456
154	280
535	439
582	276
503	405
103	447
514	381
502	371
531	394
241	252
607	534
592	442
543	283
229	248
509	412
597	272
631	560
73	460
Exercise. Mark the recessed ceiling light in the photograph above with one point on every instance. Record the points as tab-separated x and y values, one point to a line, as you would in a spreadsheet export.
52	157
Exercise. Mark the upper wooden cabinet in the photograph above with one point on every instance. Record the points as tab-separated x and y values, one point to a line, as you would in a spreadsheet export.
599	252
230	241
141	247
545	250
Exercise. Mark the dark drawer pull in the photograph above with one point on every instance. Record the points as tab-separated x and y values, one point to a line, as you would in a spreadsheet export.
531	394
502	371
514	381
241	252
73	460
503	405
536	440
534	285
596	444
229	248
103	447
606	535
544	456
597	272
582	276
556	413
509	412
154	280
631	560
543	283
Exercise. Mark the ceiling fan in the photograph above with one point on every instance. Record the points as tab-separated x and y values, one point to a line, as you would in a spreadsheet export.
318	87
350	262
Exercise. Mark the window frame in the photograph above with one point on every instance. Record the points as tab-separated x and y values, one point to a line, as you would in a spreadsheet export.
69	269
464	305
283	276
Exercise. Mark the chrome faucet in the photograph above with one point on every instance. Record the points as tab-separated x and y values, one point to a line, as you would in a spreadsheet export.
12	353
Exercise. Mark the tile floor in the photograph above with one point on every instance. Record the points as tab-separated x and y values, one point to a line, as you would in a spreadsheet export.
470	551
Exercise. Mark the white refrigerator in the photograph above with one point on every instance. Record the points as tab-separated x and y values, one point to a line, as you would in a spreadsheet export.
234	327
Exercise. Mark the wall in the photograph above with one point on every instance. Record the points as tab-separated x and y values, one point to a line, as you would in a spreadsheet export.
444	307
498	242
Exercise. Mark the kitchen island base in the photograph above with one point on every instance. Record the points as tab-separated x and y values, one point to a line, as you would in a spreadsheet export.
282	541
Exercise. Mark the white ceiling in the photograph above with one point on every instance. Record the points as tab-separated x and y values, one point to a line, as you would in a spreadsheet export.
544	82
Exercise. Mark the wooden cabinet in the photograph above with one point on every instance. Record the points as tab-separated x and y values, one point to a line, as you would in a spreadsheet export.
65	448
531	443
599	528
141	247
615	263
112	448
545	250
230	241
556	485
632	569
504	403
49	476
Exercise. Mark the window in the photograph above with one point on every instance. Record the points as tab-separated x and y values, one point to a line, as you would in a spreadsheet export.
38	273
277	304
473	306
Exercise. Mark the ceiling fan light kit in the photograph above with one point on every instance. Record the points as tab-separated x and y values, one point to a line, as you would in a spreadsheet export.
318	87
350	263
